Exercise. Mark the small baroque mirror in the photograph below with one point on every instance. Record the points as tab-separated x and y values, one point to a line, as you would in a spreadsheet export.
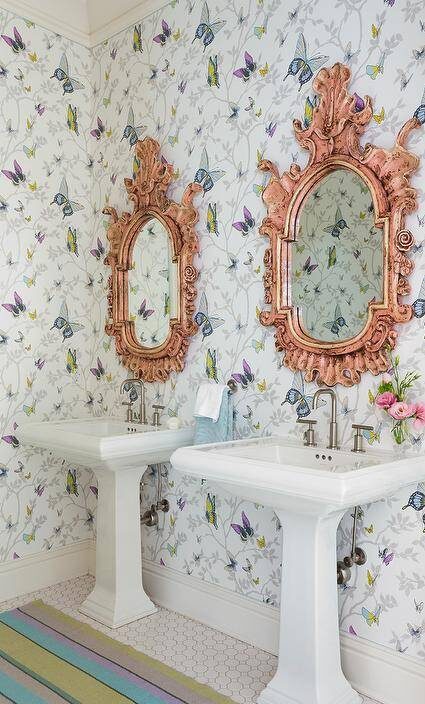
337	264
152	283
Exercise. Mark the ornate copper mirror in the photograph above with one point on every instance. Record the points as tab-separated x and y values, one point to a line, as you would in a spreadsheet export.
337	267
152	283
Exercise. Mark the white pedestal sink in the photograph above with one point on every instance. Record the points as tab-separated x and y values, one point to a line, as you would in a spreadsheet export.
310	489
118	453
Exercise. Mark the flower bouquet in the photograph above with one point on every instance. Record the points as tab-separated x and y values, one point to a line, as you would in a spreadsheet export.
391	398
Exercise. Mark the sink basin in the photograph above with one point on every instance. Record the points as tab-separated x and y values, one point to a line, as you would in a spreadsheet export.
310	488
118	453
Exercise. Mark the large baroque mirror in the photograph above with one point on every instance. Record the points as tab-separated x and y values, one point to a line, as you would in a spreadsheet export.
152	282
337	265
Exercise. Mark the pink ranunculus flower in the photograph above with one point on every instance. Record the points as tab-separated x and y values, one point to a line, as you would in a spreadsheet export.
419	421
385	400
401	410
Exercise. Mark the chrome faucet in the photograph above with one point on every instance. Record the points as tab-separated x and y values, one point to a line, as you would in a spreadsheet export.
333	426
141	418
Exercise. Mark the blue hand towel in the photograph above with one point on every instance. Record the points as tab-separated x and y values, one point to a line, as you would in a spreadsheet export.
208	431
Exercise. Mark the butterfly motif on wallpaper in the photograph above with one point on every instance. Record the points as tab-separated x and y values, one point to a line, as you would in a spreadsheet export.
296	396
143	311
245	377
418	306
71	241
16	42
98	131
373	70
98	251
17	307
386	556
71	361
211	365
301	65
71	482
245	531
63	323
420	111
212	223
61	199
162	37
207	30
339	225
131	132
137	38
207	323
72	119
337	323
371	617
212	76
246	224
69	84
210	511
205	176
245	72
17	176
98	371
416	501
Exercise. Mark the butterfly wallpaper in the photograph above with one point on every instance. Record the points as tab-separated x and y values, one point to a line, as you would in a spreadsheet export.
218	86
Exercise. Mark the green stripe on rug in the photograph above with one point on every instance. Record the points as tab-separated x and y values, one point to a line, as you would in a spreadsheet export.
17	693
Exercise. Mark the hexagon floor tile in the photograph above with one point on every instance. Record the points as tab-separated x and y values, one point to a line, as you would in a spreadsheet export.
229	666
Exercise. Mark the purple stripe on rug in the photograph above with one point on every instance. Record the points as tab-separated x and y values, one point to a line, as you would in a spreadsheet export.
99	659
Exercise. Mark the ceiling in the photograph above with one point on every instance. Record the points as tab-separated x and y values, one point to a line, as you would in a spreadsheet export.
88	22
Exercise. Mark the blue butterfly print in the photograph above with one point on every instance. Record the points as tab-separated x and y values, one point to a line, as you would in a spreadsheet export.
204	176
296	396
69	207
339	322
62	75
131	132
416	501
206	322
207	30
301	65
418	306
420	111
246	377
63	323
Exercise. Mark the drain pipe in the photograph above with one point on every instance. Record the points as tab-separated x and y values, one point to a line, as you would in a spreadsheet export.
357	556
150	516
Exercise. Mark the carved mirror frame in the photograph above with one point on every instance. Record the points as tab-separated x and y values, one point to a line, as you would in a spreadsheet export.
148	192
333	141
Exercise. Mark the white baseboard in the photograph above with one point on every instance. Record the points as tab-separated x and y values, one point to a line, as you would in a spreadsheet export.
375	671
43	569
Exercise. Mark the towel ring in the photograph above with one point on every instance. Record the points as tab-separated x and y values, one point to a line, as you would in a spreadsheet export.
233	387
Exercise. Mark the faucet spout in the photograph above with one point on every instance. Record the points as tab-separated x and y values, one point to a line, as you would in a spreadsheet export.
333	426
142	394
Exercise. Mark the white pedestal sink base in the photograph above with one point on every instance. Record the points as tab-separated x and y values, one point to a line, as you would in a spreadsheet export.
118	596
309	667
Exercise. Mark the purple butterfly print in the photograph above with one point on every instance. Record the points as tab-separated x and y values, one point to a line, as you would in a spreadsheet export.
247	223
98	371
145	312
39	363
99	130
39	236
386	556
308	267
246	377
39	489
16	43
182	86
245	530
390	3
271	128
100	251
113	53
181	503
11	440
162	563
351	631
40	109
246	71
17	176
113	179
15	308
163	36
95	491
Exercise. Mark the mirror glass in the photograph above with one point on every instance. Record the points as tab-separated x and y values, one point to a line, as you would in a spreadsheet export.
336	258
152	283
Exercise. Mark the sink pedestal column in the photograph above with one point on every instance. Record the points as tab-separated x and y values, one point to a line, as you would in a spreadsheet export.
309	667
118	596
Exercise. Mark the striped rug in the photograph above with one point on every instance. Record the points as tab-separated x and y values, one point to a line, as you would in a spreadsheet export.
47	657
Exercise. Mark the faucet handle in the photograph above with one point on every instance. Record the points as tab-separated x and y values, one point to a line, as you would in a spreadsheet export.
129	404
156	416
358	436
309	439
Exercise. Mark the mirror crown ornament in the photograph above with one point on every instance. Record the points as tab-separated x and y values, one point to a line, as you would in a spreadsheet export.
147	190
333	141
